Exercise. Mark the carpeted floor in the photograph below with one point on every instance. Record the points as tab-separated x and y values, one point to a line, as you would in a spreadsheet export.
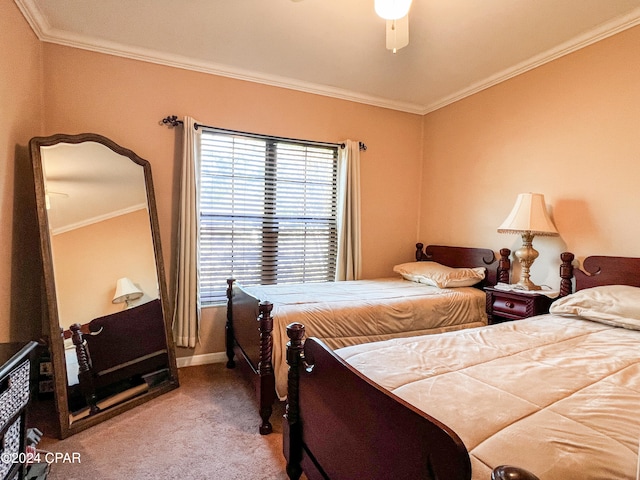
206	429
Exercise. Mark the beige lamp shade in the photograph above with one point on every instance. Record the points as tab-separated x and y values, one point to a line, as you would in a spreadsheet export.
126	291
529	214
529	218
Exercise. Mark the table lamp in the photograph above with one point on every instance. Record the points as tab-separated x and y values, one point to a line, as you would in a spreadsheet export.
529	218
126	291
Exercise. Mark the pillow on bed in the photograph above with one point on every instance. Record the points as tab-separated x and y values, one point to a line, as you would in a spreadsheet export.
441	276
617	305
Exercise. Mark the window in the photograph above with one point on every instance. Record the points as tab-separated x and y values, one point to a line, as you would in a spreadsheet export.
267	211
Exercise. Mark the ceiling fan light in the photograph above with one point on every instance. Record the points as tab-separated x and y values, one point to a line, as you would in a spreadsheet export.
392	9
397	34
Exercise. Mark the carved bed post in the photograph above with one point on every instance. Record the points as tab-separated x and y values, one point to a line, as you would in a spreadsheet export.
229	334
566	273
419	253
292	443
265	366
504	265
507	472
85	377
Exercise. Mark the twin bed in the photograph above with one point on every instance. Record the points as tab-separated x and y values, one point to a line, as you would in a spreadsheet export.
356	312
557	395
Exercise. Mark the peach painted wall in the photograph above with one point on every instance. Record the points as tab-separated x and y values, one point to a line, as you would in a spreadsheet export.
21	107
89	260
125	100
568	129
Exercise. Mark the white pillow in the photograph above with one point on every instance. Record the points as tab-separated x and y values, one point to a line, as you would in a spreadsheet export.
441	276
617	305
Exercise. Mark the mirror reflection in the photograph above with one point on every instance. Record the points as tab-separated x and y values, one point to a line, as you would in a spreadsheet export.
103	278
99	228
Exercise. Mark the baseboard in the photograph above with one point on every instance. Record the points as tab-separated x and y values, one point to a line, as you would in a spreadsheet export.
203	359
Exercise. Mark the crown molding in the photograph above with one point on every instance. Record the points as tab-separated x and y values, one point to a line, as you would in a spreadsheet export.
98	219
46	33
34	16
601	32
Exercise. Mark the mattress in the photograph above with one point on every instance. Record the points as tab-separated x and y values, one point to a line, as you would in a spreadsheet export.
559	396
360	311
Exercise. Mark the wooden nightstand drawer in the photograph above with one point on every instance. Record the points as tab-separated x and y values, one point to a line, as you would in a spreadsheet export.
511	305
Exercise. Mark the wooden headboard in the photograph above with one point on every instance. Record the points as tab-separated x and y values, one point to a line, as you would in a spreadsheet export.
126	336
459	257
120	346
598	270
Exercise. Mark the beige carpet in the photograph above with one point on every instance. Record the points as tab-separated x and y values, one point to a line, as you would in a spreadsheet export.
206	429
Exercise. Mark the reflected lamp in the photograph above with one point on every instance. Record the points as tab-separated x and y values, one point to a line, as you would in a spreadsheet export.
126	292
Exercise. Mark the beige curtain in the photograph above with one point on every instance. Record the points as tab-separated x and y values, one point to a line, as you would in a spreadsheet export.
349	260
186	317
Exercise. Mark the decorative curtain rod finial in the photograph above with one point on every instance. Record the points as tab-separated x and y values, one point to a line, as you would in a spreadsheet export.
361	146
172	121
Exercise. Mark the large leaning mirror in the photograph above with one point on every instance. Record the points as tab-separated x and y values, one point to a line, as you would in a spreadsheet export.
110	336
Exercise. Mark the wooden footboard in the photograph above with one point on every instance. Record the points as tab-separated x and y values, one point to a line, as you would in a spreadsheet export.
340	425
248	331
249	323
246	316
344	425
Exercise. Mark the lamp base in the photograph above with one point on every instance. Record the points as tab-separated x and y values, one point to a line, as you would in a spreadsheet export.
526	284
526	255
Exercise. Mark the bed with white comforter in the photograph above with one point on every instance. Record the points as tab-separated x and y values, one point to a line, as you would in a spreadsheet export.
360	311
556	395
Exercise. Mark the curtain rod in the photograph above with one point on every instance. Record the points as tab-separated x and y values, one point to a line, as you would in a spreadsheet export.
173	121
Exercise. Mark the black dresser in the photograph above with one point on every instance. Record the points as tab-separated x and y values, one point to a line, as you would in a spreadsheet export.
15	375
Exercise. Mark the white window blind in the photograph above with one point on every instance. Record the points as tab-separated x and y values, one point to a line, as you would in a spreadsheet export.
267	212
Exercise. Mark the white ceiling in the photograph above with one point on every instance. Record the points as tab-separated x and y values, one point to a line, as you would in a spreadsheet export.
337	47
87	183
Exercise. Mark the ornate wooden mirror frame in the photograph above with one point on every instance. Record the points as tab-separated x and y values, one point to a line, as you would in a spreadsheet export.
97	160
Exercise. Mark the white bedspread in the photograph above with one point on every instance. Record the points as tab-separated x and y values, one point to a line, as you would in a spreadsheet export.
71	359
354	312
555	395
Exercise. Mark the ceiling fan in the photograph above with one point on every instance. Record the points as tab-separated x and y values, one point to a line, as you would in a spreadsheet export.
396	13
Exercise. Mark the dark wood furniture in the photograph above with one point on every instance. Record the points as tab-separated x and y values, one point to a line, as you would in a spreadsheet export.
111	181
121	351
380	435
15	374
503	306
250	324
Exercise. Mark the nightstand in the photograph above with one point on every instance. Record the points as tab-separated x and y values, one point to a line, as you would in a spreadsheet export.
503	306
